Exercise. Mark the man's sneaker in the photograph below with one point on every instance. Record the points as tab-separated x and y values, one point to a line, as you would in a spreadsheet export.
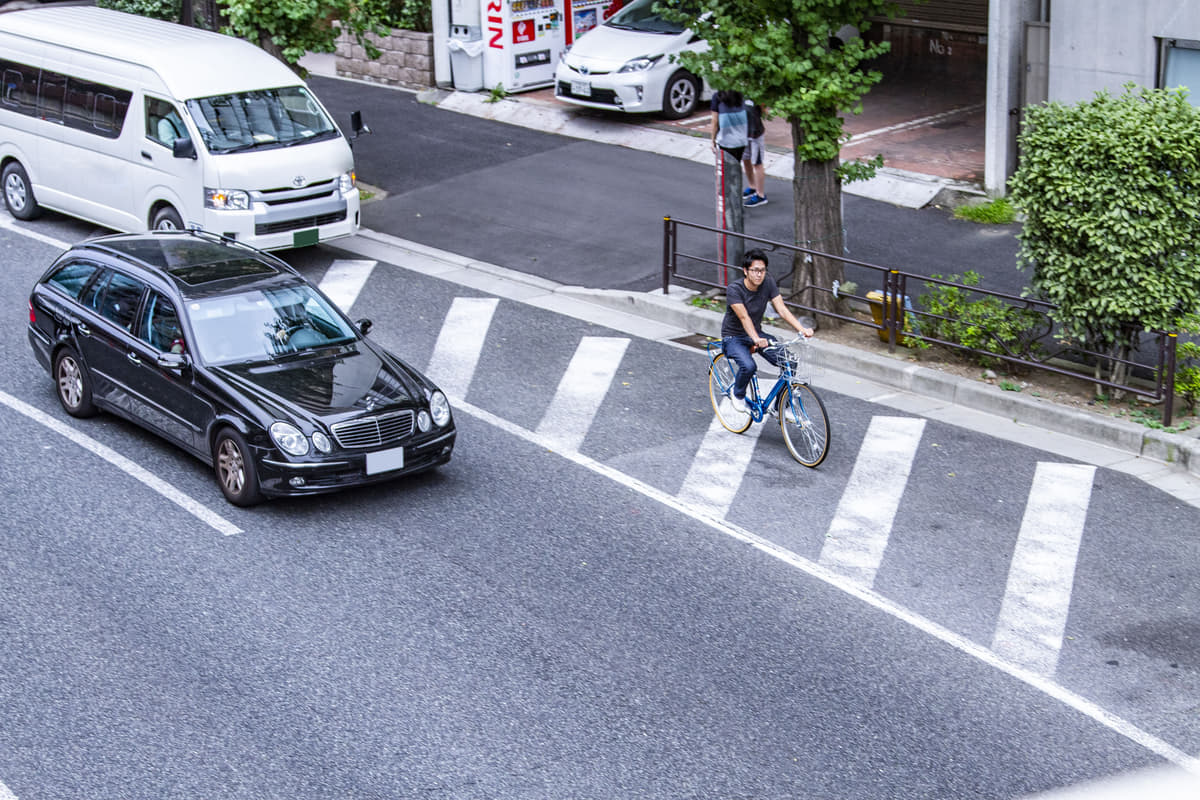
738	403
756	200
747	192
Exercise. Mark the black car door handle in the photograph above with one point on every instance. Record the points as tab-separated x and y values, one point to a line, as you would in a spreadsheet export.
133	357
83	329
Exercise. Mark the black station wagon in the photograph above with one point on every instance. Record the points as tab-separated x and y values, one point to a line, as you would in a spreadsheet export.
231	354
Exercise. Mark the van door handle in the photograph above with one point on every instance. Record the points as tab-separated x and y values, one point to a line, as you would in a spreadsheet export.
147	156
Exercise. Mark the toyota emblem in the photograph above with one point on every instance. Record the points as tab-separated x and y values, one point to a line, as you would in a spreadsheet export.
298	181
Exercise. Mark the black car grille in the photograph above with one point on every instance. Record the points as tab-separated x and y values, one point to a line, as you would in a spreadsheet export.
606	96
374	431
298	224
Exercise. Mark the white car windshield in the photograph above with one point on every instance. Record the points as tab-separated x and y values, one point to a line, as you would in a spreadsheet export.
231	123
264	325
641	16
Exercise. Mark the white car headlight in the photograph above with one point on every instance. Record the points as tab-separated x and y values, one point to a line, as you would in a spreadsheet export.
639	64
226	199
321	442
288	438
439	408
346	182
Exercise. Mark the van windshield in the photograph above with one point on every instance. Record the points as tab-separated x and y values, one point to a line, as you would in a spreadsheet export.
262	119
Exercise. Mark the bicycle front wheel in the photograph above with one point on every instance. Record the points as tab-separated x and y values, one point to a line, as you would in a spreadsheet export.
720	379
804	423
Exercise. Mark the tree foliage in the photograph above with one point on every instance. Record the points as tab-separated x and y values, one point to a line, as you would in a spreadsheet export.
1110	190
786	55
169	10
290	28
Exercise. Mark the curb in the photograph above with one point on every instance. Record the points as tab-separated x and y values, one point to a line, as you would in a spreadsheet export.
1180	452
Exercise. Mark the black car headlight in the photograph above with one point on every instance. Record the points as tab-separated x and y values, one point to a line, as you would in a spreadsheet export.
439	408
321	442
288	438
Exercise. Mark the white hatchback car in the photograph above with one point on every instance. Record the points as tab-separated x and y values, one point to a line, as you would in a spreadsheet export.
627	64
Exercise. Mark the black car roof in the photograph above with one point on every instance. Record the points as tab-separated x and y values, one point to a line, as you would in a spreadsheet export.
193	259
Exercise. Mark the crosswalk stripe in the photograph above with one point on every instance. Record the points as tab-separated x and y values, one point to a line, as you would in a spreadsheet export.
456	352
1033	615
581	390
716	472
344	281
858	535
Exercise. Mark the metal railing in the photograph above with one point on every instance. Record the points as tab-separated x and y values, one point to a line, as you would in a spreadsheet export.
894	315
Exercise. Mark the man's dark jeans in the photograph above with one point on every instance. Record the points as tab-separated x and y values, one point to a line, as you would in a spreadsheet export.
737	349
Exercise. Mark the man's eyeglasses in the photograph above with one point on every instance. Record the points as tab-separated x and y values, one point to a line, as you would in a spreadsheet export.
757	269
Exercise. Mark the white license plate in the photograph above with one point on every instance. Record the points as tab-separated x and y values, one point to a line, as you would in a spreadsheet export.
385	460
581	88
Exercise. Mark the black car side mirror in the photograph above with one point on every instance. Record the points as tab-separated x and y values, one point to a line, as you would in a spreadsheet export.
183	148
176	362
364	325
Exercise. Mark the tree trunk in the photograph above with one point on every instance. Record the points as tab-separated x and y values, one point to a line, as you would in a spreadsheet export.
817	193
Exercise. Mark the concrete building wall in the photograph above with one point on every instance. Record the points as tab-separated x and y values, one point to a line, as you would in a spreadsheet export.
1104	44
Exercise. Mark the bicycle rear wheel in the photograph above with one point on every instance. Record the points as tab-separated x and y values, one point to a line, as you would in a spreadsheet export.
720	378
804	423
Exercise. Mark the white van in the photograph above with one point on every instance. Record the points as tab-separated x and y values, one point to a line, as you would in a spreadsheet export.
134	123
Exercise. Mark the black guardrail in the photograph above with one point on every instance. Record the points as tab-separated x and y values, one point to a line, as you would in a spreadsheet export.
894	315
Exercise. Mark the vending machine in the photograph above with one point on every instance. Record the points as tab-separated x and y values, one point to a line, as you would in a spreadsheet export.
583	15
522	42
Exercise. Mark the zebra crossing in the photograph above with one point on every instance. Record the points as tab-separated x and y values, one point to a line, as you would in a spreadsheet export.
1030	627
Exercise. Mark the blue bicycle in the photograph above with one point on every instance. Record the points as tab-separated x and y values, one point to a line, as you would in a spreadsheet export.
801	414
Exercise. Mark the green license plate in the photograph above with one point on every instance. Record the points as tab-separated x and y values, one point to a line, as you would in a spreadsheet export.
305	238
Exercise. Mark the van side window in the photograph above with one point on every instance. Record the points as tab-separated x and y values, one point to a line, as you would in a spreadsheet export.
163	124
52	90
84	105
96	108
71	278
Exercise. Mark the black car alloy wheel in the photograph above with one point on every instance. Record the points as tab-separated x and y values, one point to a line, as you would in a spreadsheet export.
235	469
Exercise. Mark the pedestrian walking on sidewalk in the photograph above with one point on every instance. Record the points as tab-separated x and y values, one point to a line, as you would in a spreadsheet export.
741	329
728	133
752	160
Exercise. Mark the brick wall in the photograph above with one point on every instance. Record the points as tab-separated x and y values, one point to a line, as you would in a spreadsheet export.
407	59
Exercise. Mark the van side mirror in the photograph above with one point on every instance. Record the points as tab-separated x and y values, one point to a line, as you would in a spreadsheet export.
183	148
356	124
364	325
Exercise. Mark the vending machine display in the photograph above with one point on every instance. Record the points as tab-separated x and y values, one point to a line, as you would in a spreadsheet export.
523	39
587	14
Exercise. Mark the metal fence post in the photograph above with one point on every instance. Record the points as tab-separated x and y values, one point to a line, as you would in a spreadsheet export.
667	250
1169	400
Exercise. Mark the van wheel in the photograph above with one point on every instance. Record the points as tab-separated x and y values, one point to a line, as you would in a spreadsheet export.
18	193
680	96
166	219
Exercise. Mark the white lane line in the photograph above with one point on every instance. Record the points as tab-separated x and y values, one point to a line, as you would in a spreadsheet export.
344	280
5	794
862	525
912	123
856	590
12	225
582	389
1033	615
456	352
717	470
188	504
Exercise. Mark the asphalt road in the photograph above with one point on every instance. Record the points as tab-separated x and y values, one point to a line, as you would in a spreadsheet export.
534	621
590	214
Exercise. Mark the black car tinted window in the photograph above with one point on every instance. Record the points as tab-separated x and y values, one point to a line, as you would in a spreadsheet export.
71	278
118	299
193	260
160	325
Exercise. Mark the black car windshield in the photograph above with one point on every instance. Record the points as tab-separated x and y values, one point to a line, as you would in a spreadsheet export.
262	119
641	16
265	324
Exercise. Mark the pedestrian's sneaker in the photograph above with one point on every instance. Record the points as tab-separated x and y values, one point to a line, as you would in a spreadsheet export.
756	200
747	192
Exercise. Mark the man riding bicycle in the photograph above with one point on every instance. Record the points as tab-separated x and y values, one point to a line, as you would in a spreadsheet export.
741	330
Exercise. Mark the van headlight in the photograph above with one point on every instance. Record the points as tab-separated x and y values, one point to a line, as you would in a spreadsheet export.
639	64
439	408
226	199
346	182
288	438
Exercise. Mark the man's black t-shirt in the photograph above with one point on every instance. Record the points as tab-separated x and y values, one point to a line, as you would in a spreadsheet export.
755	303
